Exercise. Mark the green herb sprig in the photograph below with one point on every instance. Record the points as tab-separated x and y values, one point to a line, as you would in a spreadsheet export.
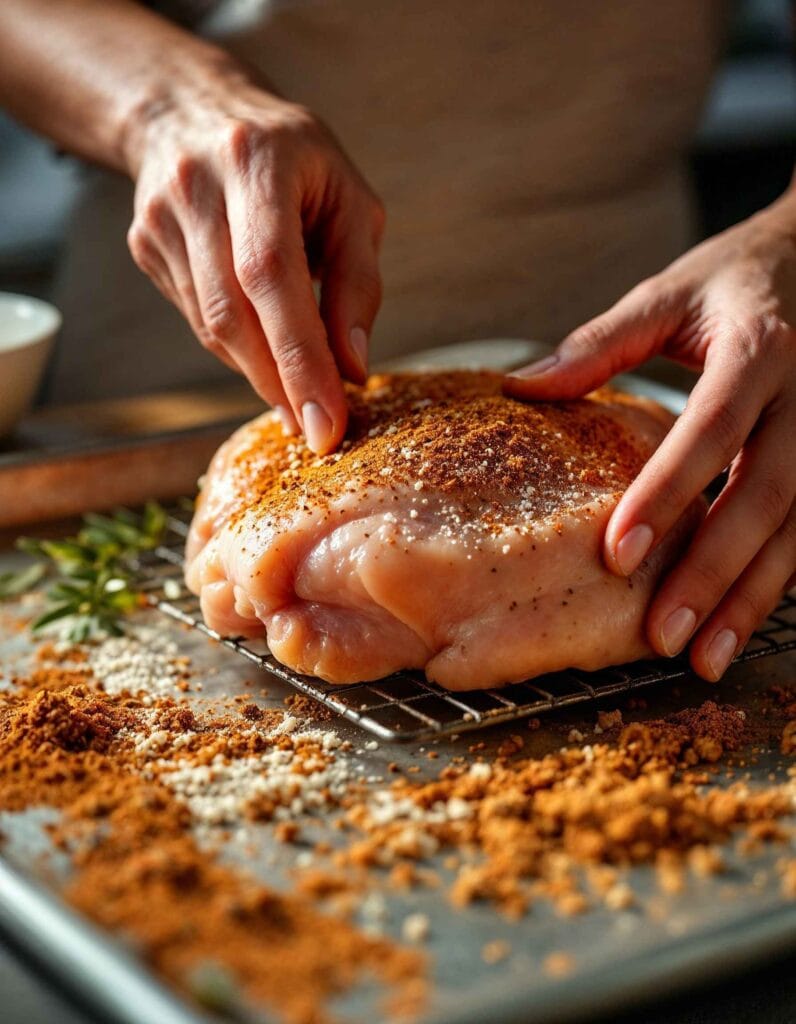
94	583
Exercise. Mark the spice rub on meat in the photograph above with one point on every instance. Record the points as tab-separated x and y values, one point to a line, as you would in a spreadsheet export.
456	531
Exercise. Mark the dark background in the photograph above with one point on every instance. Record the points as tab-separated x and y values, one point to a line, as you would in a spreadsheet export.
742	159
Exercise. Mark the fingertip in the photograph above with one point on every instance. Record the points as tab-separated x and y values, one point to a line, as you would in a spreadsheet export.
554	389
710	658
536	369
324	421
552	379
318	428
632	548
541	379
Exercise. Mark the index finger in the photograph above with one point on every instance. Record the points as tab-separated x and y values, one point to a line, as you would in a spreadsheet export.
271	266
720	414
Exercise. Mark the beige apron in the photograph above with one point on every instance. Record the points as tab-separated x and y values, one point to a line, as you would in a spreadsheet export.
529	155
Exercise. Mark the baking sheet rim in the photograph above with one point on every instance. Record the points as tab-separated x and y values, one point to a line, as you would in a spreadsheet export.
68	947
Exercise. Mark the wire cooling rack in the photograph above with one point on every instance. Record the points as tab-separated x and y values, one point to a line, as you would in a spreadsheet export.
405	706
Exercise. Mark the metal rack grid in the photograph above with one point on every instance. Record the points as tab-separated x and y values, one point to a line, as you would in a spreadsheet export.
405	706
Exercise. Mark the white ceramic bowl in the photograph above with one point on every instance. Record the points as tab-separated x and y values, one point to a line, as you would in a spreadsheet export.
27	329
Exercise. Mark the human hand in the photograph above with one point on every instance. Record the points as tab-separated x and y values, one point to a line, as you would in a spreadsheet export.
727	307
241	199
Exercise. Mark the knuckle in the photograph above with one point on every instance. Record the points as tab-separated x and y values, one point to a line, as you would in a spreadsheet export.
183	179
183	286
646	293
153	216
247	143
263	268
773	500
667	493
721	427
749	606
590	337
788	532
709	580
292	357
294	129
296	120
221	317
137	244
749	339
242	138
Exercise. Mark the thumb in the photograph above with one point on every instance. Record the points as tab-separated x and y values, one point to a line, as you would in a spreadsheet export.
624	336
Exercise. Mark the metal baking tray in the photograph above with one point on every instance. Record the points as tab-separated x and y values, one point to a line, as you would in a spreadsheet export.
405	706
712	929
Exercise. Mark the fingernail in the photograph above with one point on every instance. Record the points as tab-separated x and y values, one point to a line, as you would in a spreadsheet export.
287	419
317	427
631	550
358	343
676	631
541	366
721	651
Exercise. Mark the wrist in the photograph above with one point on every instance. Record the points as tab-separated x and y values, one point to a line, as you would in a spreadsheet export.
187	82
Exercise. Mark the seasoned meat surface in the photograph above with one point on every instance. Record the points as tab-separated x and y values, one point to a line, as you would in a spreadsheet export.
456	531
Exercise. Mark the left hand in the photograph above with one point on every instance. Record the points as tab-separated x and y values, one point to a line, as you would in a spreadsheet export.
727	307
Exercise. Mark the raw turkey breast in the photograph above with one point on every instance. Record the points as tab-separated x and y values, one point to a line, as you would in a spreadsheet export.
456	531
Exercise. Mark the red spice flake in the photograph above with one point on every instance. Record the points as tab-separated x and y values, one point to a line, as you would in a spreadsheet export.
287	832
453	433
510	746
309	709
607	720
252	712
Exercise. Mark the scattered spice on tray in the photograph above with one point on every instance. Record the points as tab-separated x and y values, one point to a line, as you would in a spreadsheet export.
526	826
148	785
140	870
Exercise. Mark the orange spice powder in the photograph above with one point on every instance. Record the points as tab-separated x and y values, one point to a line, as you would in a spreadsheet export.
139	871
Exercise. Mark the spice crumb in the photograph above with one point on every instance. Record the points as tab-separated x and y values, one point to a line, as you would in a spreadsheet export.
558	964
495	951
415	928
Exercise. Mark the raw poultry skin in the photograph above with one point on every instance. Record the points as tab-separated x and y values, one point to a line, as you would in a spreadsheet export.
456	531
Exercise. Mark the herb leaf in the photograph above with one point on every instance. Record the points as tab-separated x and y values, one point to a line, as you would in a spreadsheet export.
60	611
12	584
94	585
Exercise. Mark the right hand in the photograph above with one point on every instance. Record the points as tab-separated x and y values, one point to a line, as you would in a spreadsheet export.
241	199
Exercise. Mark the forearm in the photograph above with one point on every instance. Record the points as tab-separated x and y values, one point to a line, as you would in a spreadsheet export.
91	74
231	183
